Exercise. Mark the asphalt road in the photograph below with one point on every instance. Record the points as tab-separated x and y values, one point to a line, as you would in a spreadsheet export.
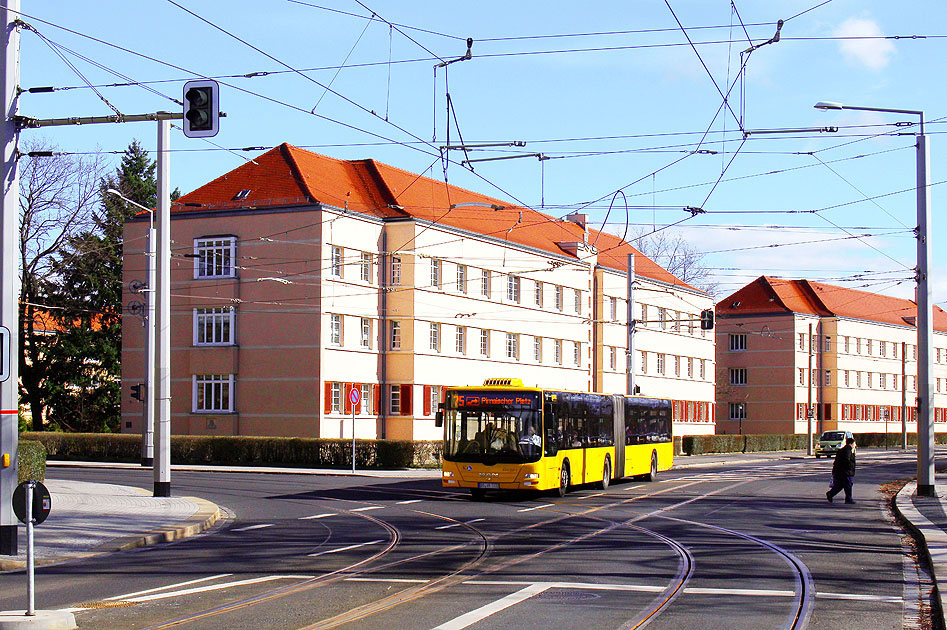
749	545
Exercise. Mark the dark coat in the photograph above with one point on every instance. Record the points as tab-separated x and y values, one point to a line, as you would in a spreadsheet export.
844	462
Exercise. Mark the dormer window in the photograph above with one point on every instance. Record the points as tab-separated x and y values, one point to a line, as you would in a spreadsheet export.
243	194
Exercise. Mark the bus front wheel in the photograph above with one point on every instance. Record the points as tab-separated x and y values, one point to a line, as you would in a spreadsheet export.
564	479
653	473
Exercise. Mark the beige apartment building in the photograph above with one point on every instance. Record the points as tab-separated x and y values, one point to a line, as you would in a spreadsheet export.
783	345
298	279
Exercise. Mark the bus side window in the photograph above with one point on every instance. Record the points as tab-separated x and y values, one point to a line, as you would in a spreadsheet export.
551	441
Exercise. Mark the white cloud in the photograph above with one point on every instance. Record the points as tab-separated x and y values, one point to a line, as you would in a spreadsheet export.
873	54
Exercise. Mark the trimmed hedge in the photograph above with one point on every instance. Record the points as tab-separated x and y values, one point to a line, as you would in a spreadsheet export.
31	461
246	450
701	444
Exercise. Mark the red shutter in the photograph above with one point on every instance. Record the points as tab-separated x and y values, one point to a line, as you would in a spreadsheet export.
427	400
347	402
376	395
406	400
328	398
358	387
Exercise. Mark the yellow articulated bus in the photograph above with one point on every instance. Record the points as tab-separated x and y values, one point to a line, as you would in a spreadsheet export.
504	436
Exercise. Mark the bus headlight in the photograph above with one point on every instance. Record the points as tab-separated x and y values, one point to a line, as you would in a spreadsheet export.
531	476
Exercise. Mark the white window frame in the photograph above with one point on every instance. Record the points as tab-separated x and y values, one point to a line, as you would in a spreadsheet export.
485	282
677	366
335	397
559	297
337	261
612	357
434	337
513	288
462	278
613	308
394	399
395	279
335	329
435	399
218	323
460	340
662	318
578	301
538	293
538	349
484	342
512	346
365	267
644	362
436	277
212	393
394	335
215	257
365	332
366	392
662	360
577	352
557	344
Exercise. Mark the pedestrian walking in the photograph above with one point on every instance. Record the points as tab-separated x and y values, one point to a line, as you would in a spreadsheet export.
843	472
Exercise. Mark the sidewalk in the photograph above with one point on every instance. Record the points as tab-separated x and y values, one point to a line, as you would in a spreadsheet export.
927	518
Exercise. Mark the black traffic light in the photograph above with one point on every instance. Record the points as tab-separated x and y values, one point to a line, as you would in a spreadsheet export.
137	392
201	108
707	319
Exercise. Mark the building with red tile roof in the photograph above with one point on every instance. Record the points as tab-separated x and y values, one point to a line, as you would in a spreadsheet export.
785	347
297	278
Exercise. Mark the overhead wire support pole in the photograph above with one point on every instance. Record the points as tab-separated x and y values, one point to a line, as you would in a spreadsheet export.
162	380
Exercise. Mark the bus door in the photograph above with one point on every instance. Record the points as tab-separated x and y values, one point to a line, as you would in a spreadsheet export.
618	419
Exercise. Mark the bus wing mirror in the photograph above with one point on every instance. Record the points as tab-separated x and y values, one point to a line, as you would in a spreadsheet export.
439	415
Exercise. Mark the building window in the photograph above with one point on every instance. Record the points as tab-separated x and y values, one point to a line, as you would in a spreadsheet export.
845	376
461	278
738	411
435	337
894	349
613	308
485	283
366	399
396	270
538	293
336	392
661	363
677	365
644	315
484	342
213	392
460	340
644	362
868	344
513	288
662	318
802	376
512	346
214	257
558	297
858	345
394	399
578	301
395	336
690	367
577	353
214	326
336	263
846	344
335	329
828	344
538	349
828	379
738	376
869	380
703	369
435	398
558	348
365	267
883	349
365	338
858	379
737	342
677	321
435	273
612	358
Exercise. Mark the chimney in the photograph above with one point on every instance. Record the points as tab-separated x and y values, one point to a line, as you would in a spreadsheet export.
578	218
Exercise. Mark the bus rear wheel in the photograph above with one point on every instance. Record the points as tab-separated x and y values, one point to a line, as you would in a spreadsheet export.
564	478
606	476
653	473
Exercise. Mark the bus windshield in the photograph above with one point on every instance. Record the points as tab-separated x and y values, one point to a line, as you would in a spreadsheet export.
493	427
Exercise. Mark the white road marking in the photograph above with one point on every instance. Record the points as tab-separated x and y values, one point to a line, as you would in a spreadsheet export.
858	597
250	527
589	496
210	587
410	501
164	588
396	580
640	588
306	518
368	507
322	553
537	507
751	592
494	607
476	520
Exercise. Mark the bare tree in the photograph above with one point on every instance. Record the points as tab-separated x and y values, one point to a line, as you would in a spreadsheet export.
677	256
58	194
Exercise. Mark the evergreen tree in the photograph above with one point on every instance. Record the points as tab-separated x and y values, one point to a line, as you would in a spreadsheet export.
85	364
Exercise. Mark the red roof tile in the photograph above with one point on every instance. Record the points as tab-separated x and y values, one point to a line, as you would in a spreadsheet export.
775	295
288	175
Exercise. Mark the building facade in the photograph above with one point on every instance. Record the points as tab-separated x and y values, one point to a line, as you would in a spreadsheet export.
302	283
785	347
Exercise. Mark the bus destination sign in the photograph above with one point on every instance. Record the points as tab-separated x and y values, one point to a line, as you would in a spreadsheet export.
472	400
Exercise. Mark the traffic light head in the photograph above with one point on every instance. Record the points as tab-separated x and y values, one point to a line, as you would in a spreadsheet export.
201	108
137	394
707	319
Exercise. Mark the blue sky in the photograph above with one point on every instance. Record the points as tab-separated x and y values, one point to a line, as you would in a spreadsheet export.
616	95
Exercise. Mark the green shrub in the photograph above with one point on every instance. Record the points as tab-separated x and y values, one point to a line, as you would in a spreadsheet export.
31	461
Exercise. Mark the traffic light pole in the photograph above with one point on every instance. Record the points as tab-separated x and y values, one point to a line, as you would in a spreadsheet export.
9	272
162	379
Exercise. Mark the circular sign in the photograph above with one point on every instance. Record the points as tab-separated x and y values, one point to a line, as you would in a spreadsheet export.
42	502
354	396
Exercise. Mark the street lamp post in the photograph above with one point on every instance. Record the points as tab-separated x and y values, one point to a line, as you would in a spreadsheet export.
147	433
925	331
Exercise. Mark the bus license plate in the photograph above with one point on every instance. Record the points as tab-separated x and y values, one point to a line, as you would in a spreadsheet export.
489	485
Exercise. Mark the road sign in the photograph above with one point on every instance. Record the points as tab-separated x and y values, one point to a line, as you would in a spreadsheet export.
42	502
354	396
4	353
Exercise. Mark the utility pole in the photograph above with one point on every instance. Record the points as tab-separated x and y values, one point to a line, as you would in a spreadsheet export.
162	380
904	396
9	273
630	326
809	412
